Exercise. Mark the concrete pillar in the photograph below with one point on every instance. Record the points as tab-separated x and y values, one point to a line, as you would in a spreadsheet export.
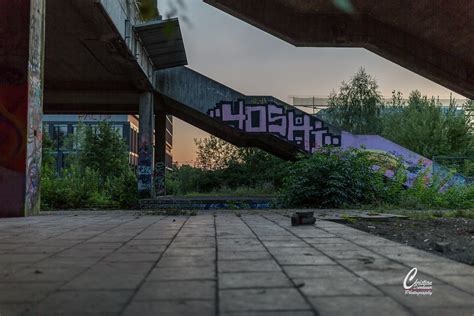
160	153
21	105
145	149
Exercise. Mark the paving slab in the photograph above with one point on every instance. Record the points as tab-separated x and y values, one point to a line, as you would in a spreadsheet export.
180	308
183	273
248	266
215	263
176	290
82	303
253	280
358	306
261	299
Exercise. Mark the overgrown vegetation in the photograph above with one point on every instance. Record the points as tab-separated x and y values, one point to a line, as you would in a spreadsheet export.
357	106
426	127
332	178
222	169
97	173
421	124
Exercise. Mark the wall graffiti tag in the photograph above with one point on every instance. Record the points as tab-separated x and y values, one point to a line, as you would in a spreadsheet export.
299	128
21	92
159	178
35	107
144	169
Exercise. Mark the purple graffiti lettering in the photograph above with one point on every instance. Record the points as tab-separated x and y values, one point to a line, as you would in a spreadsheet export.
277	120
299	128
256	121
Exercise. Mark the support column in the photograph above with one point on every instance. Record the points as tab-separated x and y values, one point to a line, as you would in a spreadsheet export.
160	153
21	92
145	149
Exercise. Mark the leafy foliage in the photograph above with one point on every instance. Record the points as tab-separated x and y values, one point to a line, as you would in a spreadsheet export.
104	151
214	153
331	178
148	9
357	106
97	175
222	168
422	125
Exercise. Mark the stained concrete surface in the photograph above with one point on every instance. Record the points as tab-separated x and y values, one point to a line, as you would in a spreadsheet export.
215	263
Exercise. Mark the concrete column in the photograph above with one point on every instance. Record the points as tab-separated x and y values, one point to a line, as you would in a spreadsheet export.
21	105
160	153
145	149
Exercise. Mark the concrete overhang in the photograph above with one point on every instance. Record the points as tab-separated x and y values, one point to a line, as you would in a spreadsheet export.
97	62
163	43
432	38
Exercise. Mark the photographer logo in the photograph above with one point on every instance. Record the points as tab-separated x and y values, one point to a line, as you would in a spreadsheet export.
416	287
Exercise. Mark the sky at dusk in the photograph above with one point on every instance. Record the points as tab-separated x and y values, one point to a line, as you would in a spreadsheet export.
256	63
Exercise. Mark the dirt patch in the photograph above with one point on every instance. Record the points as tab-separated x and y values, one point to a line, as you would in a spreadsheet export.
449	237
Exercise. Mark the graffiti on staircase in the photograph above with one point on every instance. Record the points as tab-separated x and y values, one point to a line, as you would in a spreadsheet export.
304	130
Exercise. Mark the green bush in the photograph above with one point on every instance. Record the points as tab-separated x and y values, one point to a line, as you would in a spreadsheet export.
73	189
331	178
97	175
422	125
433	195
223	169
122	188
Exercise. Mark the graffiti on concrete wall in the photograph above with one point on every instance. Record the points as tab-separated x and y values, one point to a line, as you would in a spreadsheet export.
159	178
94	117
21	62
35	107
299	128
145	168
14	17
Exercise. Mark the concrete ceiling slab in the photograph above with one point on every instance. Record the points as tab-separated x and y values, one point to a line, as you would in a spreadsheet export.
84	50
163	43
434	38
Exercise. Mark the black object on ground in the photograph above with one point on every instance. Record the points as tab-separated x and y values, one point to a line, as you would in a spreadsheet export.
303	218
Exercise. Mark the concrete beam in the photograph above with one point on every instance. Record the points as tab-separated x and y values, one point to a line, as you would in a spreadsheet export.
191	96
89	102
267	142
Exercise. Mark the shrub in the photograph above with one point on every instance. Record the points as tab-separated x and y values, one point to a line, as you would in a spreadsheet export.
331	178
73	189
97	175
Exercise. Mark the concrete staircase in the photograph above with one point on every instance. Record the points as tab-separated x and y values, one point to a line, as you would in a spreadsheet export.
266	122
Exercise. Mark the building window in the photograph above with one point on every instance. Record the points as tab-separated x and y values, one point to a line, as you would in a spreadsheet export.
59	133
118	129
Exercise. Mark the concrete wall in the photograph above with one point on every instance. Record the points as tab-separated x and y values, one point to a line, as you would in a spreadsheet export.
21	92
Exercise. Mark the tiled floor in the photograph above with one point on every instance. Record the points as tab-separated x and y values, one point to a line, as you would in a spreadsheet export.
119	263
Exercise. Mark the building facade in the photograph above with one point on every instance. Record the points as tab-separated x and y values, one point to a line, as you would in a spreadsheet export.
58	127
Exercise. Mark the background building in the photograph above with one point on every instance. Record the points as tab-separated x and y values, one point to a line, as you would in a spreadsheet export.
61	126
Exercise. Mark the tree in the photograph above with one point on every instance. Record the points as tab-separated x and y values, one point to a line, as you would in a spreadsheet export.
358	105
214	153
424	126
148	9
228	166
103	150
97	172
